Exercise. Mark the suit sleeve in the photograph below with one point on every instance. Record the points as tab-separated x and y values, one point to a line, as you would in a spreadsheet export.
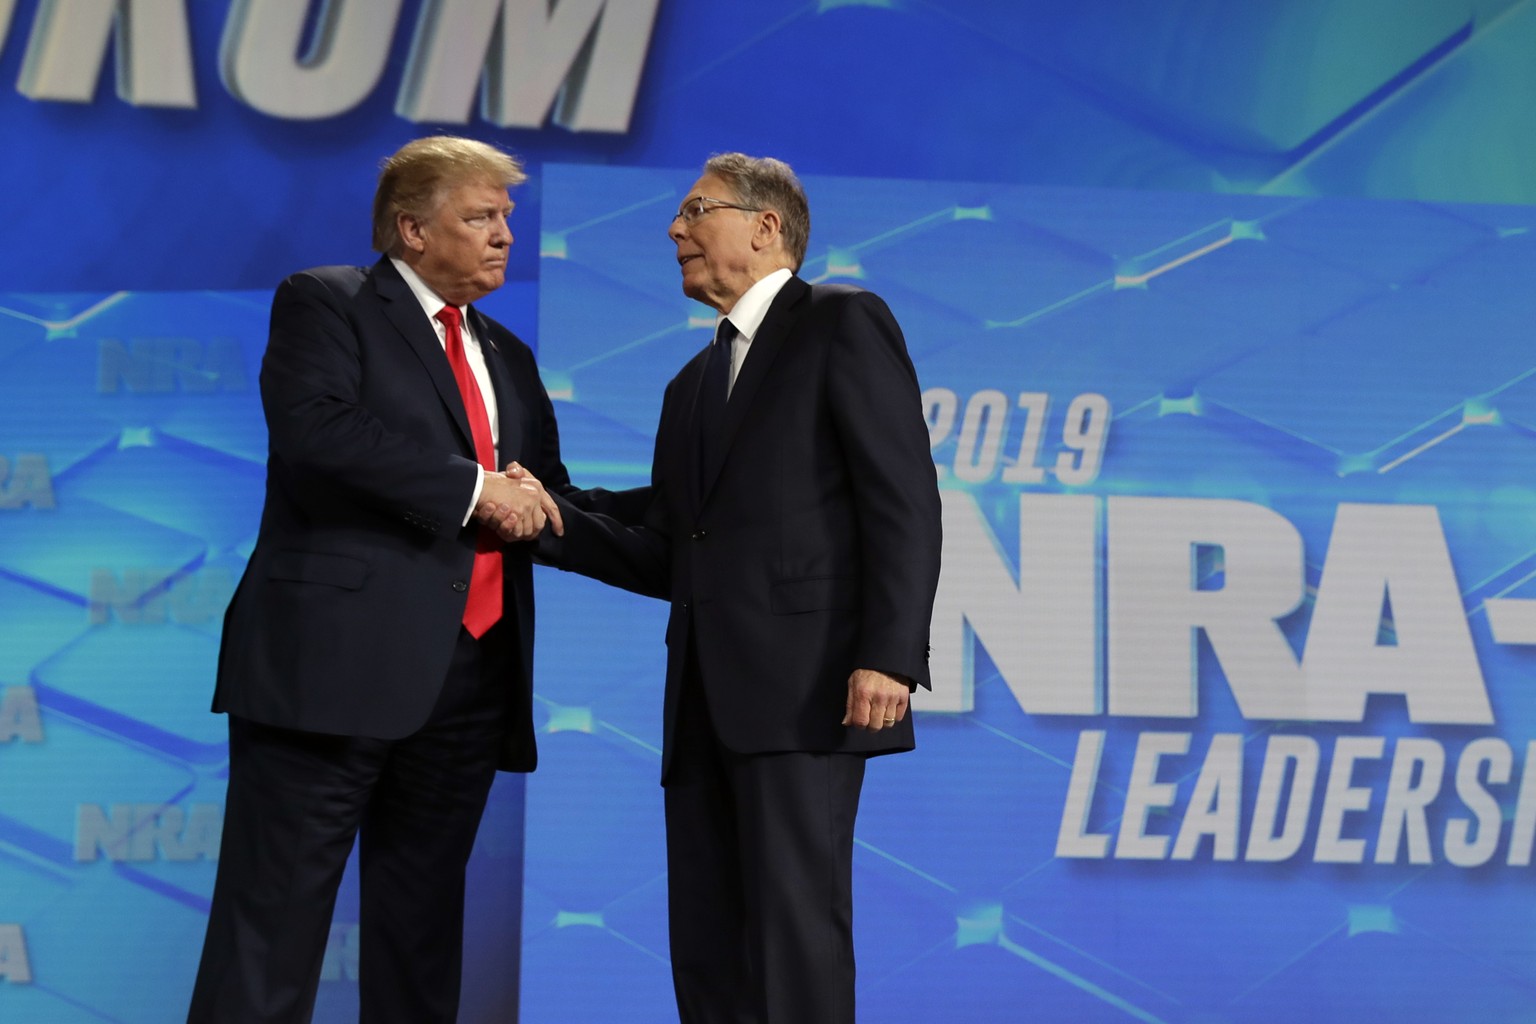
597	545
617	537
877	412
320	429
606	533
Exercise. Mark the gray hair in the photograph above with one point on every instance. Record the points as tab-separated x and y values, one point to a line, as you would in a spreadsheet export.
768	184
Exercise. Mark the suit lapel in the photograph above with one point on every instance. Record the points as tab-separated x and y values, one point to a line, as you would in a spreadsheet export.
766	345
405	313
686	466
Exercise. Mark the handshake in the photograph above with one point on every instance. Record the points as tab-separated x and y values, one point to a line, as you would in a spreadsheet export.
515	506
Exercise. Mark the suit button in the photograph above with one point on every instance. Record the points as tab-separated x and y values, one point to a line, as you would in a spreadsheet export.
460	586
700	534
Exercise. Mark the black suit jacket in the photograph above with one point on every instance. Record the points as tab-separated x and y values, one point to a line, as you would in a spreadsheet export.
810	550
350	606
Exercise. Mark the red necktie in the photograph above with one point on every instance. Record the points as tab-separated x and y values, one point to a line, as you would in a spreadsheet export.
483	609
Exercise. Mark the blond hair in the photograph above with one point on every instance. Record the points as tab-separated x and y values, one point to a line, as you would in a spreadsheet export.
417	177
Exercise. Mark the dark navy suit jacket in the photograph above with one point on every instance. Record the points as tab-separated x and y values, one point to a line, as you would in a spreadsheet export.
811	549
349	609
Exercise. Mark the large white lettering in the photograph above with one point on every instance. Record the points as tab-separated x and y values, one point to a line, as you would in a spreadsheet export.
1366	809
1146	794
1155	605
577	61
1215	807
1388	617
69	42
1387	813
1073	838
582	57
1286	758
1041	631
1393	556
1418	767
1470	843
261	62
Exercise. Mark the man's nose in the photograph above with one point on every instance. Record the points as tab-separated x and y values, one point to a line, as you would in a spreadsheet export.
678	230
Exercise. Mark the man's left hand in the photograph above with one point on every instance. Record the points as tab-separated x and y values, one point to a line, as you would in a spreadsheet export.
875	700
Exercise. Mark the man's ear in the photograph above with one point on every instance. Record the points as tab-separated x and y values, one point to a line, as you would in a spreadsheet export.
769	230
410	231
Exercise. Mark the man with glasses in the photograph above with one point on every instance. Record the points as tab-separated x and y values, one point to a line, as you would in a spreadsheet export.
793	520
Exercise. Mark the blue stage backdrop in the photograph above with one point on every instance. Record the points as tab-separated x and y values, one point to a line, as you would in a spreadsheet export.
1220	312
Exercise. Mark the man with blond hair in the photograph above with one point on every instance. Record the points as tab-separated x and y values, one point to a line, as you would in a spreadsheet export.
377	657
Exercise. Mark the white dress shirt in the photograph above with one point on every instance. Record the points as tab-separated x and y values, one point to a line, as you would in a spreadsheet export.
431	304
747	316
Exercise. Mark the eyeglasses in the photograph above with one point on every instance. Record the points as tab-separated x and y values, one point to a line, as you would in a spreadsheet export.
698	206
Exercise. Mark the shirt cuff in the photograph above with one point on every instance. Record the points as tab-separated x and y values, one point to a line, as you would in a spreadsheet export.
474	499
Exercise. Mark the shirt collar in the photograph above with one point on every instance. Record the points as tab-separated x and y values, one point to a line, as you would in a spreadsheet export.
747	315
430	301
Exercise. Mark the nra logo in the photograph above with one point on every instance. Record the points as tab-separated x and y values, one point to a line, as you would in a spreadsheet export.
148	832
170	366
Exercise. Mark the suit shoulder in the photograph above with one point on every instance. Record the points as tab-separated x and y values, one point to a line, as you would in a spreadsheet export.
836	292
337	279
847	305
826	297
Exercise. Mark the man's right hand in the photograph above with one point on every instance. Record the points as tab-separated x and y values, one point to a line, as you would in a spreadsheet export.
517	520
511	507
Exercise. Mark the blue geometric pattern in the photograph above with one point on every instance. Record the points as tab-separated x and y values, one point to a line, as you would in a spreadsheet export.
1177	207
1290	354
